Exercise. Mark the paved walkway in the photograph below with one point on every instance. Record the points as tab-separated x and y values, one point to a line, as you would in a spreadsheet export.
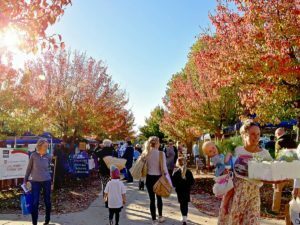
136	212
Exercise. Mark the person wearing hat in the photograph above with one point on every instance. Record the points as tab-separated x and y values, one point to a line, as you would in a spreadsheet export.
114	194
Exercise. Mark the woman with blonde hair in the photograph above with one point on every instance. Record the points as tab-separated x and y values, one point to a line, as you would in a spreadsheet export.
242	204
39	170
152	154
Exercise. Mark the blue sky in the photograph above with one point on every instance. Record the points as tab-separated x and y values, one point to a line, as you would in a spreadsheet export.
142	42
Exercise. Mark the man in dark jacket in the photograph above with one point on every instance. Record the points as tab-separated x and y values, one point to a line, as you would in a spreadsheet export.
104	171
270	146
128	155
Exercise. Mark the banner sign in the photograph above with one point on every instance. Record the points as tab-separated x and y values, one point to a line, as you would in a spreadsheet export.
81	167
13	163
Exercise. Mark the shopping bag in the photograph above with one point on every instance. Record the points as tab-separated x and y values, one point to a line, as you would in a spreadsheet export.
137	168
26	203
162	187
295	211
223	184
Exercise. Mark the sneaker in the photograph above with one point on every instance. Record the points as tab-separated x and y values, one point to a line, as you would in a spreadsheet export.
184	223
111	222
154	222
161	219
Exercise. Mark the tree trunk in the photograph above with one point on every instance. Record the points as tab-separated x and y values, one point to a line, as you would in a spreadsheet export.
189	146
218	134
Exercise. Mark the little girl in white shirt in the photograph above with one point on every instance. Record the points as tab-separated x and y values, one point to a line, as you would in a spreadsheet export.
114	193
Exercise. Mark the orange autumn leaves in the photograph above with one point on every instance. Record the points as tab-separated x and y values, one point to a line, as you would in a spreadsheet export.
250	62
31	19
257	48
61	92
77	96
67	94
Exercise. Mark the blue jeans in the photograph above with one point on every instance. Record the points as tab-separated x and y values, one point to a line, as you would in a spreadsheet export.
36	189
128	174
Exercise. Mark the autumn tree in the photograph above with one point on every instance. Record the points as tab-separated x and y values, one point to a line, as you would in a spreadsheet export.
152	124
177	122
256	48
26	21
31	19
195	104
75	96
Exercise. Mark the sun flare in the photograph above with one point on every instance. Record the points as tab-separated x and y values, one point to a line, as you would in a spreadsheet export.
10	39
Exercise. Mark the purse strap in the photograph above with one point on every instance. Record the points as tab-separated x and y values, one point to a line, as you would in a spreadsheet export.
161	163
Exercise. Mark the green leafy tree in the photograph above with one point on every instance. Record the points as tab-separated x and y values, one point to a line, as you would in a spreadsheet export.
152	126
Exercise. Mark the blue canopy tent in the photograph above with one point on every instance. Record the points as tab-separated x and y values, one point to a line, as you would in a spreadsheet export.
288	124
30	138
49	136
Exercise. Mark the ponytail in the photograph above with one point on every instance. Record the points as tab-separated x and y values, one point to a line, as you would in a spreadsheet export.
146	148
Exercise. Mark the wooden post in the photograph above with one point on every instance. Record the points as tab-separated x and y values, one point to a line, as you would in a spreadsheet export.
277	196
287	215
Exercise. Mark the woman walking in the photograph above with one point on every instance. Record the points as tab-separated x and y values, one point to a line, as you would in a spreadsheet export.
170	155
153	174
242	204
183	180
39	170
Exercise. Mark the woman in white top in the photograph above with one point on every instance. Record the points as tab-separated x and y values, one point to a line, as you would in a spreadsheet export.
153	174
242	204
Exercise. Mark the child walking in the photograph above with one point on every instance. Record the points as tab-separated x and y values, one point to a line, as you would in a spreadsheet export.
182	181
114	193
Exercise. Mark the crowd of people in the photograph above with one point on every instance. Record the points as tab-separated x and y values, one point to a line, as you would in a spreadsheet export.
240	204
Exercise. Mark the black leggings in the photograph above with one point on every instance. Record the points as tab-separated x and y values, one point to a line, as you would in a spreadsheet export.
184	208
111	215
150	181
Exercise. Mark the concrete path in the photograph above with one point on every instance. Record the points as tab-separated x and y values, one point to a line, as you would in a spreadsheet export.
136	212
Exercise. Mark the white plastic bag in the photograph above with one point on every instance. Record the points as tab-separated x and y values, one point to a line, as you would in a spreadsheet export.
295	211
223	184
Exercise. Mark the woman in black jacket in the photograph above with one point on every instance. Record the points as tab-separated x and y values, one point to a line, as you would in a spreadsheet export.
183	179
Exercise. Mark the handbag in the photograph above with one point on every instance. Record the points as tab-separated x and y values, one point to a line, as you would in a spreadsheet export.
162	187
139	169
223	184
26	203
